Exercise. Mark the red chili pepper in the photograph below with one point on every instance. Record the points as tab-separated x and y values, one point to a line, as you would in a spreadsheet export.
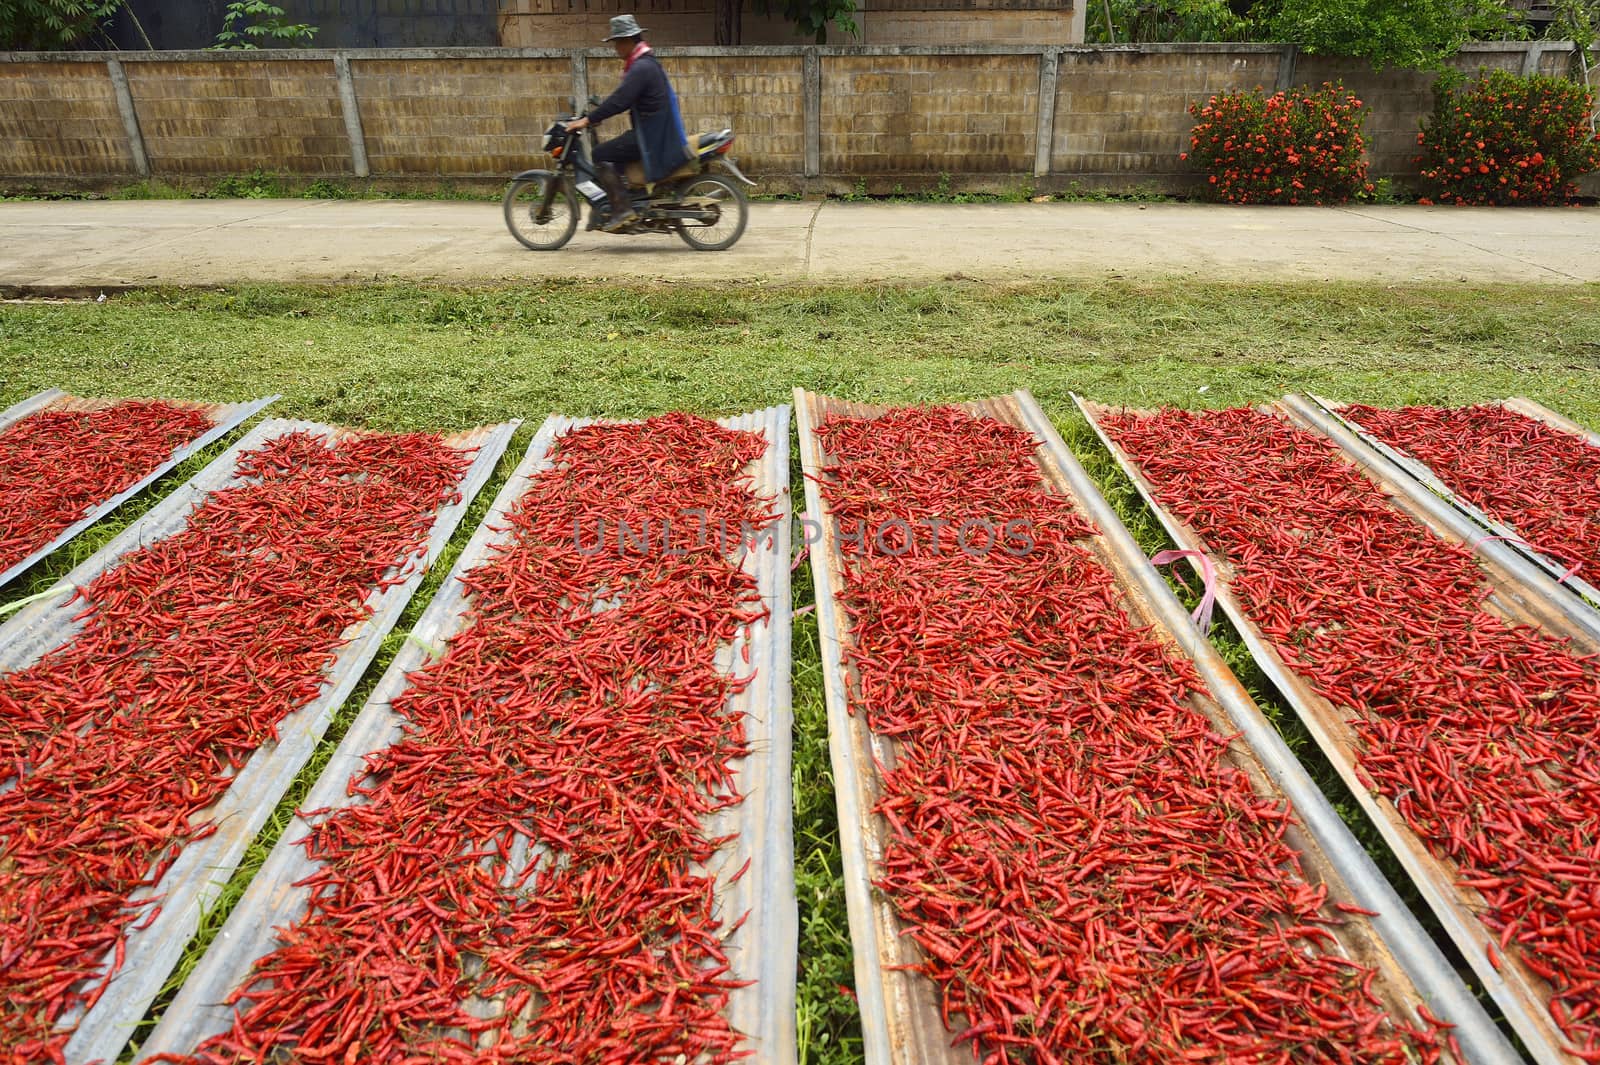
1543	482
58	464
519	880
192	650
1480	732
1087	874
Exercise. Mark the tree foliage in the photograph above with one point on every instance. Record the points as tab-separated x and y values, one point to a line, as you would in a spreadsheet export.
250	24
50	25
812	18
1418	33
1122	21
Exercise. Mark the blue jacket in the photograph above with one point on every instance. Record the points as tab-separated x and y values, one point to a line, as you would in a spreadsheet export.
648	97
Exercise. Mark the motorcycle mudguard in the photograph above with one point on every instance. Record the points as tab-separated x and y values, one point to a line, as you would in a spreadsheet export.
527	174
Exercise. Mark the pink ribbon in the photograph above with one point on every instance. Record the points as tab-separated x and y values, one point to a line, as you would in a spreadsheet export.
1208	574
1576	566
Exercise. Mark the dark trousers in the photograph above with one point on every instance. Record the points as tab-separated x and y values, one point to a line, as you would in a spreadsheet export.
619	150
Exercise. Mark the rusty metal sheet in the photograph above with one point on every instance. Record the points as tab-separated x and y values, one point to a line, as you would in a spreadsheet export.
1521	995
225	417
900	1016
205	866
762	951
1424	474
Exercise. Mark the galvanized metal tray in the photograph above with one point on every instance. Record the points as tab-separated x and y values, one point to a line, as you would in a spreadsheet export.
225	417
763	950
1520	593
205	866
900	1016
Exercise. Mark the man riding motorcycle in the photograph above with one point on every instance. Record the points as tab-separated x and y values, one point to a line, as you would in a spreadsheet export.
657	139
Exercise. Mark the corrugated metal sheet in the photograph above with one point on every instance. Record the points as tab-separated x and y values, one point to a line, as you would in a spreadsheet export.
224	417
762	951
1515	989
1411	465
900	1018
206	865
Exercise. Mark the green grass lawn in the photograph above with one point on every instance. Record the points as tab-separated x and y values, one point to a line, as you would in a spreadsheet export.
396	357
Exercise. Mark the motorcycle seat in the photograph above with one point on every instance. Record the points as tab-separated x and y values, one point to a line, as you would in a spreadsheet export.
699	147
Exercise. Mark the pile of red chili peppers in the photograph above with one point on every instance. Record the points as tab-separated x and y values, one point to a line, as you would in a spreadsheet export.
191	651
57	464
1540	481
520	879
1088	874
1480	732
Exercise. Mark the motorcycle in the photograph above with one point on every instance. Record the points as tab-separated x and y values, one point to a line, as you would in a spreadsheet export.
706	209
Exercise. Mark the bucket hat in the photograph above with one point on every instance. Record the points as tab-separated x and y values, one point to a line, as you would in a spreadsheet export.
624	26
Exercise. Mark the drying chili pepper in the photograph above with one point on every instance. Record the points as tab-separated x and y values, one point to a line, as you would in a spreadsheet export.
1480	732
57	465
1537	479
522	877
114	745
1088	873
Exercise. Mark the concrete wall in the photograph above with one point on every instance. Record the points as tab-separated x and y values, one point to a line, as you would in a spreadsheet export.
909	115
483	117
815	119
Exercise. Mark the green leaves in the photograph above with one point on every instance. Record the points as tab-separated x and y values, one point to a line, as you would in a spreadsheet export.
250	21
50	25
1165	20
1420	33
813	17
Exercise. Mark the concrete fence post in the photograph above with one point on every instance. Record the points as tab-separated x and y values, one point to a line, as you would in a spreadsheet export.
130	117
812	110
1287	58
1531	56
352	115
580	82
1045	135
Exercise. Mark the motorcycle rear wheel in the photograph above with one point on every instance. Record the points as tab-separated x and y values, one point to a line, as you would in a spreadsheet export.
731	209
542	211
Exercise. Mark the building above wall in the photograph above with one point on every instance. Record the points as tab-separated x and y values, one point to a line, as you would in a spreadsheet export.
581	23
180	24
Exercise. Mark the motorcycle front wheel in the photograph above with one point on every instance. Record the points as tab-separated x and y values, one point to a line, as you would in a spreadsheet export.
542	211
725	210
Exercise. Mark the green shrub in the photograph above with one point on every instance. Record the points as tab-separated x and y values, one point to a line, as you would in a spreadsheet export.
1291	147
1499	138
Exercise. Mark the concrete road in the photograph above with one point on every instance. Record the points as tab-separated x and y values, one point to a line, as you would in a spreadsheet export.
84	245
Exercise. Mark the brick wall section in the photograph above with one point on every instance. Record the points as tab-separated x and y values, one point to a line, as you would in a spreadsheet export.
441	116
759	96
922	115
1125	113
60	119
203	117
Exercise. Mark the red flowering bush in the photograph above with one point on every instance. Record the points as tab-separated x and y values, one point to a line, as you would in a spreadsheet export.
1501	138
1300	146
